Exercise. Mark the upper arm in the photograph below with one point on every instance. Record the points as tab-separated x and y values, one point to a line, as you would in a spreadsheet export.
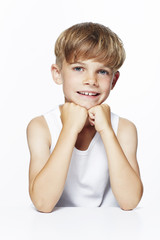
127	137
39	141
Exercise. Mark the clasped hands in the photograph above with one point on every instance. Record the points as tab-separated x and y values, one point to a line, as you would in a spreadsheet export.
74	117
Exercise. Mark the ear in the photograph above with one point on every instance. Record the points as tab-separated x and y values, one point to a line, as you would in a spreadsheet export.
115	78
56	74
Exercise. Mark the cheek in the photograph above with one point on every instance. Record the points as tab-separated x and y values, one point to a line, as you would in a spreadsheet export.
105	81
68	86
106	86
106	90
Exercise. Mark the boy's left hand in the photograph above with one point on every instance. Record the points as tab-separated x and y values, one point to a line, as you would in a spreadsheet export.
100	117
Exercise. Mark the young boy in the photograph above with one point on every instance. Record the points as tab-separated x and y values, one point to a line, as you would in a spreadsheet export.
81	153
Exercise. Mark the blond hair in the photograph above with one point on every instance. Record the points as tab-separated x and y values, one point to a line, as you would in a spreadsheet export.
90	40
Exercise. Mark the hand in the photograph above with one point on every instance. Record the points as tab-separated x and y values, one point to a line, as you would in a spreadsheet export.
73	117
100	117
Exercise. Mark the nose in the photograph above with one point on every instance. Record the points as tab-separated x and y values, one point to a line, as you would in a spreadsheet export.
90	79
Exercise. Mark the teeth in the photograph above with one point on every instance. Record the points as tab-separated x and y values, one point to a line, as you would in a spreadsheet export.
88	94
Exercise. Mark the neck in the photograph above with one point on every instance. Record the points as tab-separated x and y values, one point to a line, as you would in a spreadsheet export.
88	129
85	136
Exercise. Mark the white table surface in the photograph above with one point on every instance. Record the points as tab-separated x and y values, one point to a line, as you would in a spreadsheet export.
24	222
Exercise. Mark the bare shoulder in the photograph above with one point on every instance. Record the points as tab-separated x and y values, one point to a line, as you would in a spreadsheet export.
127	137
37	122
39	142
127	134
126	127
38	129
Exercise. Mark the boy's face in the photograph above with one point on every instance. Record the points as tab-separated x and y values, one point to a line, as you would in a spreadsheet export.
86	83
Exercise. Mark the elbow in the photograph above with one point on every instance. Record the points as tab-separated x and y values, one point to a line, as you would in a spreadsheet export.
41	203
131	204
127	207
43	207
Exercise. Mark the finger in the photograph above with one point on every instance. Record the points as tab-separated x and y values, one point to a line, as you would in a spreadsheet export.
91	110
91	115
92	122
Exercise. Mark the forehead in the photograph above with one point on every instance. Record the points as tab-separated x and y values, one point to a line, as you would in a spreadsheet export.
86	51
88	62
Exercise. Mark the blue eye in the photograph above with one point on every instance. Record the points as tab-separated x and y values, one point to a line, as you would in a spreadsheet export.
103	72
78	69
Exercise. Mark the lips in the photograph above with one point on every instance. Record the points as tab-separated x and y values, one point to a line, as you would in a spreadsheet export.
88	93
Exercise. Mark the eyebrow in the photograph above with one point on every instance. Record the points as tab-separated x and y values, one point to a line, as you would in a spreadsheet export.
78	63
84	64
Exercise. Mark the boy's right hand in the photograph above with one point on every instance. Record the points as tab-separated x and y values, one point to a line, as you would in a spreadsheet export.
73	117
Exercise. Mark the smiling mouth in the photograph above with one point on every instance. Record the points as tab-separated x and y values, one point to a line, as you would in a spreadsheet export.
88	93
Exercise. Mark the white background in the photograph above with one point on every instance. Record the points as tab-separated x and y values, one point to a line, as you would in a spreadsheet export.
28	30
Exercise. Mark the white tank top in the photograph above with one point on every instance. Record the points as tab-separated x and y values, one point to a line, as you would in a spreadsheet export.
87	183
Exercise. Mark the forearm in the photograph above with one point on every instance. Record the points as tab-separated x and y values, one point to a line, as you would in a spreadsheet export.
48	185
125	182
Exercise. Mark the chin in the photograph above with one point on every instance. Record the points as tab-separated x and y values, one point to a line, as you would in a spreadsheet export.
88	106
